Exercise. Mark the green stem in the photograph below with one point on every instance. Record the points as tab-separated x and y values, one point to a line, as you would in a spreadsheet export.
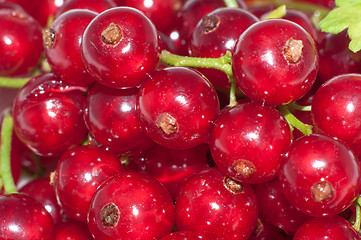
221	63
10	82
231	3
299	5
294	122
277	13
5	148
295	106
357	223
318	12
232	92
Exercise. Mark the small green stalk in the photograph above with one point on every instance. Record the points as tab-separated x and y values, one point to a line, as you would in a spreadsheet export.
277	13
5	148
10	82
318	12
222	63
357	223
294	122
231	3
294	106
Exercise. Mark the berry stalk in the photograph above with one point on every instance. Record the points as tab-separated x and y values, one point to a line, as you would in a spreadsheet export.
299	5
222	63
357	205
231	3
10	82
295	122
277	13
5	148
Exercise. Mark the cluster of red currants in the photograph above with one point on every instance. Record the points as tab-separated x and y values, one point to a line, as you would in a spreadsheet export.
177	120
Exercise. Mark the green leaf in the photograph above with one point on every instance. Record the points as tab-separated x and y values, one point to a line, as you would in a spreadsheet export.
347	14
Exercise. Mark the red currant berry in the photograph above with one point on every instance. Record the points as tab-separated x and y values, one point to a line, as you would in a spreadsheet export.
173	167
247	141
217	206
275	61
215	34
177	107
48	115
162	13
120	47
275	209
72	230
331	228
24	218
336	58
20	43
131	206
62	46
336	109
41	190
112	119
183	235
92	5
79	173
319	176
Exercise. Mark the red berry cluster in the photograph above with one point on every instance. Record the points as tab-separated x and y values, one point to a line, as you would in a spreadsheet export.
175	120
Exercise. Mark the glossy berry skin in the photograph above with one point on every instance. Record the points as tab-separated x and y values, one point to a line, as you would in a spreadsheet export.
336	58
266	231
62	46
72	230
97	6
19	213
120	47
20	44
41	190
319	176
275	61
112	119
216	206
215	34
127	204
48	115
183	235
162	13
172	167
11	6
332	228
79	173
336	109
177	106
275	209
193	10
247	141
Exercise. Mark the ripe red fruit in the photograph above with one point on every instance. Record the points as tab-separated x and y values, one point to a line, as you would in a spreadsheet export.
177	107
20	43
332	228
131	206
24	218
62	43
247	141
217	206
319	176
336	109
275	61
120	47
48	115
80	171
